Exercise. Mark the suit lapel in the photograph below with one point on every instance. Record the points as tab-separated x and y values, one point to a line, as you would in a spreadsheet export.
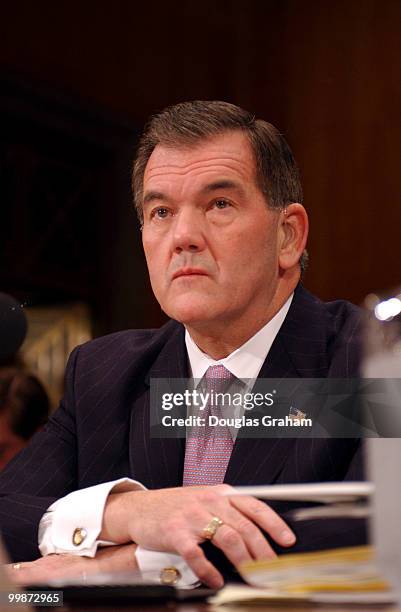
299	350
158	462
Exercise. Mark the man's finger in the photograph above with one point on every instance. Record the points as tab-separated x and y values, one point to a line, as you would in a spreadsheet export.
232	545
261	514
256	543
195	557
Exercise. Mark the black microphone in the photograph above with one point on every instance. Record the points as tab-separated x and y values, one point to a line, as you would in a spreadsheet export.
13	326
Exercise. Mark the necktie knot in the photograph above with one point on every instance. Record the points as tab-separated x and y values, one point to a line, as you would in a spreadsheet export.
219	372
218	378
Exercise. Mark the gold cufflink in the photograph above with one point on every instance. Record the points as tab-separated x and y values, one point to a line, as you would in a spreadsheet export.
78	536
170	575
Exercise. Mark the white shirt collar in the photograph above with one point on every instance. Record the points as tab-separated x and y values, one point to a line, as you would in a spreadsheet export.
246	361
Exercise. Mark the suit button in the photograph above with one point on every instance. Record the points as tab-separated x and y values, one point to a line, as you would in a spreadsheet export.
78	536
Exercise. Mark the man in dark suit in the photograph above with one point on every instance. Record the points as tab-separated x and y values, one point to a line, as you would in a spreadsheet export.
224	234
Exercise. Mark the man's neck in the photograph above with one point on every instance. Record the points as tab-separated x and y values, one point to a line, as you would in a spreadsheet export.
221	338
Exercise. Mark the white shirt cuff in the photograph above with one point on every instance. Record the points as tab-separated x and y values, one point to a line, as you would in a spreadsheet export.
73	523
151	564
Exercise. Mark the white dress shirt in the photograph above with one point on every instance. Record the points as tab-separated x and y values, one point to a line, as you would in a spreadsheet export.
84	509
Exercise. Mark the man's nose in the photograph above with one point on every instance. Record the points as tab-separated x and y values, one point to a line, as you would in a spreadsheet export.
188	232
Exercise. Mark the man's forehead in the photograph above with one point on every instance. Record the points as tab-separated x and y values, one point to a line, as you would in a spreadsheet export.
230	151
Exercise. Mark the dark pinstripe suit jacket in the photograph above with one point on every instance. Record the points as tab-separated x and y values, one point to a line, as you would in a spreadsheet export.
101	430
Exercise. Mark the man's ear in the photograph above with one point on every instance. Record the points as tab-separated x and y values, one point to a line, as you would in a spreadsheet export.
293	233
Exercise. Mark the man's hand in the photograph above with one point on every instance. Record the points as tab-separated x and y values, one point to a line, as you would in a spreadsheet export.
53	567
173	520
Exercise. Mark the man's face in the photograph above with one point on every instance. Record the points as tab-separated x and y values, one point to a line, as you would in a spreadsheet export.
211	242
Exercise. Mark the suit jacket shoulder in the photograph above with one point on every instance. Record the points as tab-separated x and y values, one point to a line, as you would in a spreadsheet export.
322	338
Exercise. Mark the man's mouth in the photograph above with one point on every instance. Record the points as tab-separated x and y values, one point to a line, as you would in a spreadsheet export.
189	272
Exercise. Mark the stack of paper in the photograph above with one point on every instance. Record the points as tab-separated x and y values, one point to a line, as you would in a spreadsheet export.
341	569
340	575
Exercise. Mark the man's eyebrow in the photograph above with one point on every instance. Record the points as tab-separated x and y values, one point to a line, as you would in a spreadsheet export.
150	196
222	184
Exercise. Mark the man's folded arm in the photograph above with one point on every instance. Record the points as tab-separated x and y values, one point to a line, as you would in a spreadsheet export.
73	525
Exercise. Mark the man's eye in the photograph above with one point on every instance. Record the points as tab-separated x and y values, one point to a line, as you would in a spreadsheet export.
221	204
160	213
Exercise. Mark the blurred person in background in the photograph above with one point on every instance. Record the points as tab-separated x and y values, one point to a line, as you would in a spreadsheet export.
24	409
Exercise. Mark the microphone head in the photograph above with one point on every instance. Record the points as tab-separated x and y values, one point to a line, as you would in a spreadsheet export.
13	326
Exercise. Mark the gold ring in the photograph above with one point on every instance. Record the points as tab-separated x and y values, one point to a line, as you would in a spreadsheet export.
210	530
16	566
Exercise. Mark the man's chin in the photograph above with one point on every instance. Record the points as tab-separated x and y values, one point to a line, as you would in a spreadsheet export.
190	314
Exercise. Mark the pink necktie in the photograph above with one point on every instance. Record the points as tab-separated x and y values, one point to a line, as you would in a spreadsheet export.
208	449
